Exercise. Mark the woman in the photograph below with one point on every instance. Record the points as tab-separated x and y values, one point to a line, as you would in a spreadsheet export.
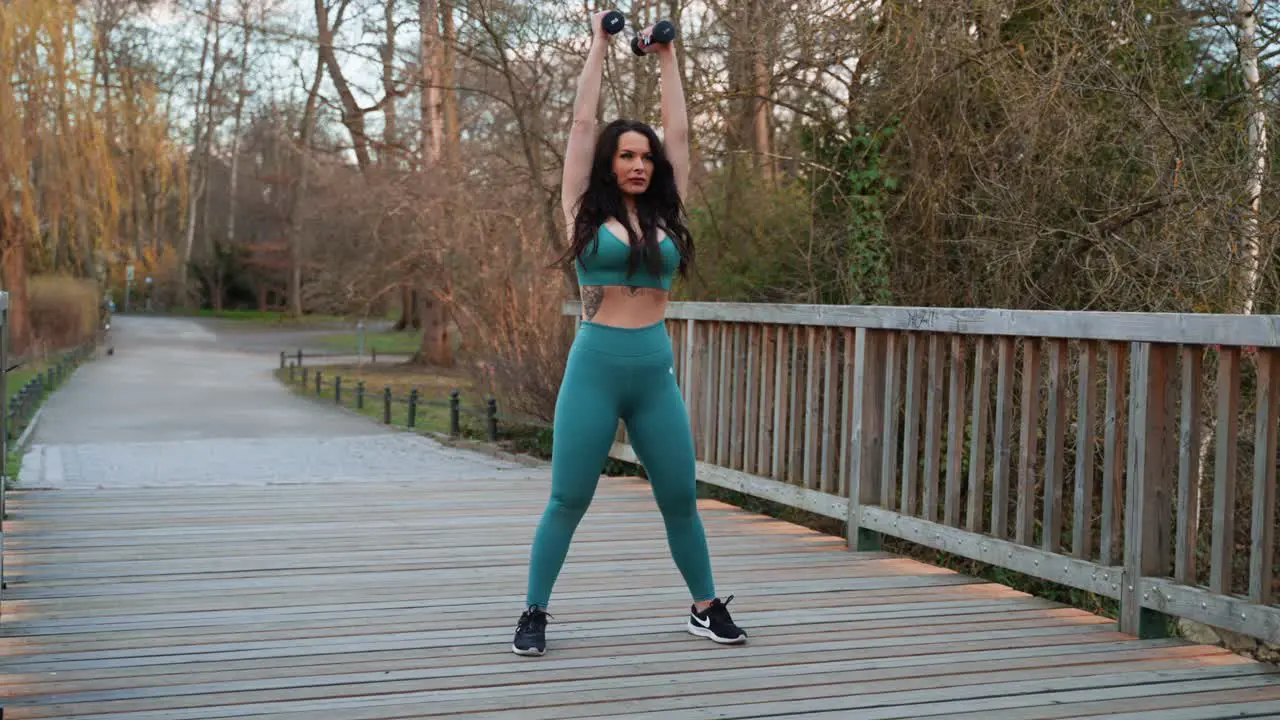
618	199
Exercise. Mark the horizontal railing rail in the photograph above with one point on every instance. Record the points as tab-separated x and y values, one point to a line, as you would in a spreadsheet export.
1131	455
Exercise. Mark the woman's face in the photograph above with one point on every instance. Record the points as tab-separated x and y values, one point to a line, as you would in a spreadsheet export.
633	163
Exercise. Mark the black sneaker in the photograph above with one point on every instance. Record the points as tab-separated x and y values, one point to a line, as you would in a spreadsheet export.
715	623
531	633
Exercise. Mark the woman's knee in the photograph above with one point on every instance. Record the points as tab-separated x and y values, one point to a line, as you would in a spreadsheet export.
677	497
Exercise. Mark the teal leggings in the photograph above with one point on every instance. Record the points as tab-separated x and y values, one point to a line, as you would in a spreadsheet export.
622	373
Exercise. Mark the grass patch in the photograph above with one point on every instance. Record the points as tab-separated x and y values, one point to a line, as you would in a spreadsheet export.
263	317
389	343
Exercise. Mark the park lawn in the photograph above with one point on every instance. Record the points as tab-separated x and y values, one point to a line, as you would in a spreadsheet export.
391	342
21	376
433	384
266	317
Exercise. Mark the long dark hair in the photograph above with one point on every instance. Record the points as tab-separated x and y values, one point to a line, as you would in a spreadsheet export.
659	207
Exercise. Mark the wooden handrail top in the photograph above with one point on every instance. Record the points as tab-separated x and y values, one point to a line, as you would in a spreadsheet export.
1177	328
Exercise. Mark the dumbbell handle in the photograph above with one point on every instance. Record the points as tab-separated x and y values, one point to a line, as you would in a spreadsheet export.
613	22
663	32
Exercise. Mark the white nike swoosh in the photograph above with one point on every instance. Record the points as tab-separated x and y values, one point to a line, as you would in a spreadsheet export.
704	623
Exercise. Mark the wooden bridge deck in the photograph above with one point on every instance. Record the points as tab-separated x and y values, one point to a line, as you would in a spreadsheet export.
398	600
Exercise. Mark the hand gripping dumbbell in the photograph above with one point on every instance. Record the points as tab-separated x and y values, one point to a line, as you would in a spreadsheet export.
663	32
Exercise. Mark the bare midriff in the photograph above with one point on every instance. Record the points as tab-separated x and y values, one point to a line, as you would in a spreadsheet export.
621	306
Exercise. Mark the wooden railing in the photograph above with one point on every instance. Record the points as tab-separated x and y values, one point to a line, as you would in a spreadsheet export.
1111	452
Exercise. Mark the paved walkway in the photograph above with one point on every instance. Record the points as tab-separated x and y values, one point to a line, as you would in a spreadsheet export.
180	403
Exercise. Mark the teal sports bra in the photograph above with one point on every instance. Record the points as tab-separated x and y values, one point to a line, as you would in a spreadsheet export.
606	264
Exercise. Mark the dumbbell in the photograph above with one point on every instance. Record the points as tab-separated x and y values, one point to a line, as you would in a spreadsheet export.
613	22
663	32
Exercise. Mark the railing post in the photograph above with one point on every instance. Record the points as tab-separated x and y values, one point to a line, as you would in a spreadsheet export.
455	428
413	407
337	389
491	411
386	405
4	427
1148	510
866	436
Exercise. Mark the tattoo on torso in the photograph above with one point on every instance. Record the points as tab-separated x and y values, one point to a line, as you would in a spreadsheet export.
591	298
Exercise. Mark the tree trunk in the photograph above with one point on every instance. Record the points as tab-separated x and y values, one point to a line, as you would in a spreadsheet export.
436	348
448	59
352	114
390	154
300	192
429	61
194	179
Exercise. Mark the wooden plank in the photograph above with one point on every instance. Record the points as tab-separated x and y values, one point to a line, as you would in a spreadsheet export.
1148	502
1263	527
1054	444
1086	403
752	423
724	398
1003	451
978	422
764	441
911	427
1027	446
811	416
737	403
830	431
1032	561
1222	550
1188	507
1205	606
955	432
1113	455
890	422
1185	328
865	438
932	431
781	373
709	382
795	420
846	416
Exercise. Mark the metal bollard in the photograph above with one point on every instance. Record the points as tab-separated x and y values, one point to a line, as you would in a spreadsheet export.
491	410
360	395
337	389
454	421
386	405
413	407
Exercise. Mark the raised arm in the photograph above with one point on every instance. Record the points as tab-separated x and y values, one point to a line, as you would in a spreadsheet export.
675	117
582	135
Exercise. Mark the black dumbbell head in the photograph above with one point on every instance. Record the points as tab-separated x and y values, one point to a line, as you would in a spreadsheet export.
663	32
613	22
